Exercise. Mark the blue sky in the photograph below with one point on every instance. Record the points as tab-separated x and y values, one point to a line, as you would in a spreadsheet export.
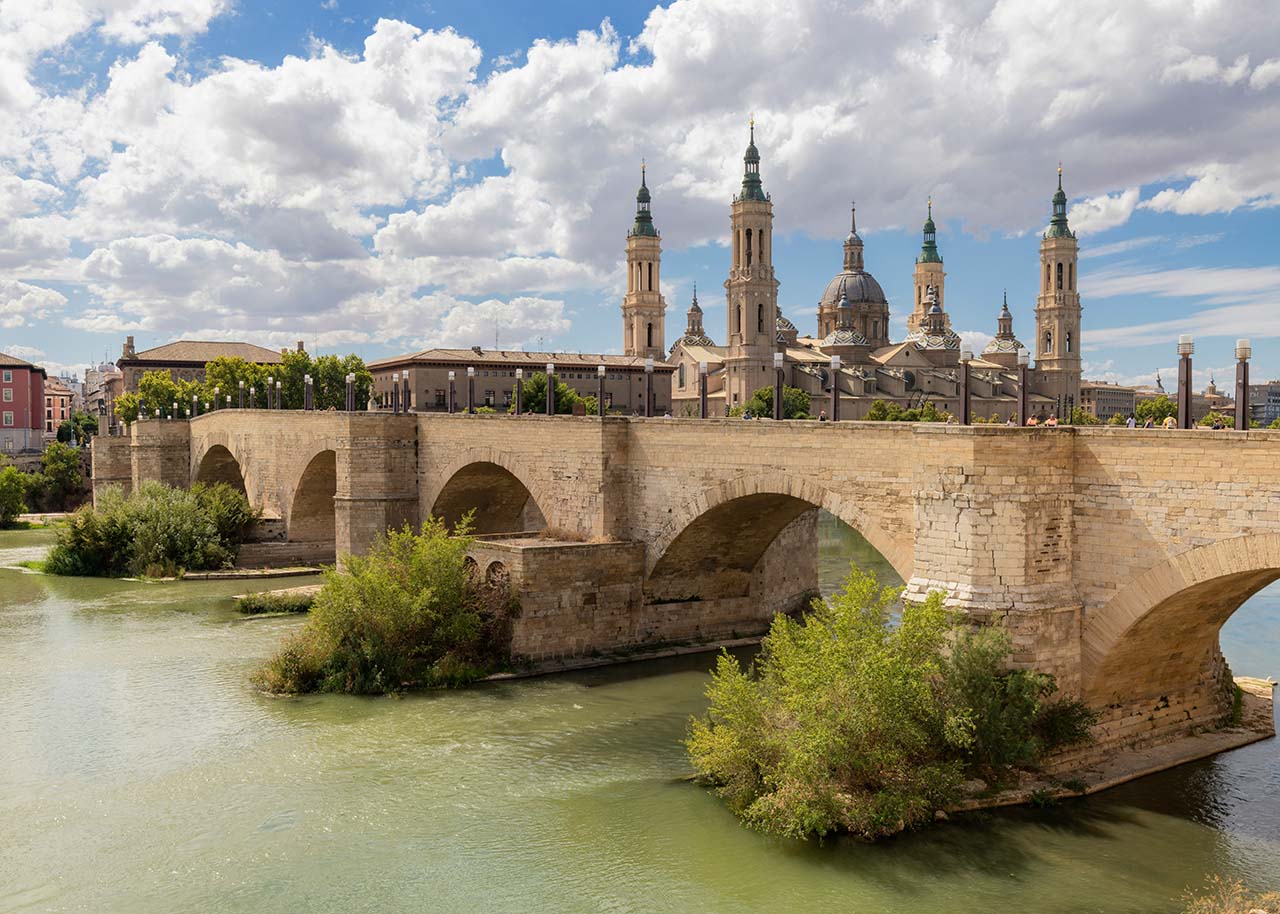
387	176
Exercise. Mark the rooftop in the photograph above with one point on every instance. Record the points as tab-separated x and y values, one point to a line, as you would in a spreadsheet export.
519	358
206	351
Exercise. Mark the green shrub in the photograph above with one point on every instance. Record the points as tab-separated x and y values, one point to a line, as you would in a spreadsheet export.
253	604
847	722
156	531
1225	896
411	612
13	490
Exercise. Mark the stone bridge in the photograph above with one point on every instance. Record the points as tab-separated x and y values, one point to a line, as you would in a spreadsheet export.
1113	556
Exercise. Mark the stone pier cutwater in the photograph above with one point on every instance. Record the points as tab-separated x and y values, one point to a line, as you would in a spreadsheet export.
1113	556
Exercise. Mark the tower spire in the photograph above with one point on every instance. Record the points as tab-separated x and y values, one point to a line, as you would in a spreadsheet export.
1058	227
752	189
644	217
929	249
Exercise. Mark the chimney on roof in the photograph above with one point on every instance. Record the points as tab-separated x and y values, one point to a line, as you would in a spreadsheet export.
301	348
477	350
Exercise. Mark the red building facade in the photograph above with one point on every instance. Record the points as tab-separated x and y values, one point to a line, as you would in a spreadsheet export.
22	413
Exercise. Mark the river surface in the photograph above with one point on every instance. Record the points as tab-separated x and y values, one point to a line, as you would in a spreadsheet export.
140	773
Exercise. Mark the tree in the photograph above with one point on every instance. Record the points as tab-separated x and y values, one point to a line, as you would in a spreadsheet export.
226	373
329	380
1117	419
62	474
13	490
795	403
1080	416
1156	409
79	429
1213	416
883	411
66	434
1275	423
158	390
534	397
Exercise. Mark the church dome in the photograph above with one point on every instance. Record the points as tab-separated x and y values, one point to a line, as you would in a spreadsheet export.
783	324
924	339
844	337
860	287
1002	345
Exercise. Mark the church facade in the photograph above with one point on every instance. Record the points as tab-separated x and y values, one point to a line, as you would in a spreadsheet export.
851	347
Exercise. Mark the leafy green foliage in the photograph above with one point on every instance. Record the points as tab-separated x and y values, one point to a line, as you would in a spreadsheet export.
534	397
1081	416
411	612
225	374
13	491
254	604
78	429
156	531
847	722
884	411
1221	419
1156	409
795	404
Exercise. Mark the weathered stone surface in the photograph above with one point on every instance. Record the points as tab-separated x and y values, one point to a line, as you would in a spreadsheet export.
1113	556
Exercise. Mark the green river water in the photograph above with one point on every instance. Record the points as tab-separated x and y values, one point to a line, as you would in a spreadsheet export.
140	773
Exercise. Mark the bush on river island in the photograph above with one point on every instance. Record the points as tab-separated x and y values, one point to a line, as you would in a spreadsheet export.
847	722
413	612
255	604
156	531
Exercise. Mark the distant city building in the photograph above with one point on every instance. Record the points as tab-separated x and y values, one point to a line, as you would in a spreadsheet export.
853	323
102	385
76	386
57	406
185	360
1103	400
21	405
1264	402
495	377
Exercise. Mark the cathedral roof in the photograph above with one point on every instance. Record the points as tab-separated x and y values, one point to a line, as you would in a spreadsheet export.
845	337
784	324
947	339
1003	345
859	285
691	339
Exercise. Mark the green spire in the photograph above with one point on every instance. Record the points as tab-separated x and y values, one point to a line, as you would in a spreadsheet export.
644	218
1058	227
752	189
929	250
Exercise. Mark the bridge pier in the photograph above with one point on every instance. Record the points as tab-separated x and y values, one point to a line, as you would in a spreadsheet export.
377	479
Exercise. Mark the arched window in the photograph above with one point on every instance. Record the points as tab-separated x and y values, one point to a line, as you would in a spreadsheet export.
1048	342
651	277
649	332
737	319
760	318
748	247
682	374
919	293
1068	341
1071	276
1059	276
1047	279
875	329
762	245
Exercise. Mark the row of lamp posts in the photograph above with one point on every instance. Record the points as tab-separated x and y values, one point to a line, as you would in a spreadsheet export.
549	406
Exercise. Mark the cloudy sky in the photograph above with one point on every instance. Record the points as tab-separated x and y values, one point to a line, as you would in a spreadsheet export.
387	175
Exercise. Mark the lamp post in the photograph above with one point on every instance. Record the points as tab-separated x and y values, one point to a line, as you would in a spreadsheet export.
307	402
174	413
271	386
279	395
157	412
471	390
551	389
253	398
966	356
519	391
777	385
702	390
195	406
395	393
217	397
351	392
1024	363
600	373
453	391
240	402
1243	351
648	388
835	388
1186	346
228	401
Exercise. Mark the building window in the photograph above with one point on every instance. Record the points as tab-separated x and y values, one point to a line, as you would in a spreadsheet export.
1046	277
748	247
760	318
8	419
875	328
1071	276
8	445
1048	342
651	277
1068	341
682	374
440	399
649	330
8	376
1059	276
8	395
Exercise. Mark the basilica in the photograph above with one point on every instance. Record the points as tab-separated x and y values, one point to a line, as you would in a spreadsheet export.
850	347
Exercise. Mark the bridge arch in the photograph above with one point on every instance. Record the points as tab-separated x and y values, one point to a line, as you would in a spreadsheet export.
311	515
1160	631
218	464
488	481
724	532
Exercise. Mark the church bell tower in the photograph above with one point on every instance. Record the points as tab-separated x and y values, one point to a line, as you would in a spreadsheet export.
643	307
1057	344
928	273
751	292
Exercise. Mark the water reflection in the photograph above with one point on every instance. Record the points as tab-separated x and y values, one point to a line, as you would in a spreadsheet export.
145	775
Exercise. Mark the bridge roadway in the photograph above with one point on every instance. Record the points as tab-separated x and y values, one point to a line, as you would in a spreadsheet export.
1113	556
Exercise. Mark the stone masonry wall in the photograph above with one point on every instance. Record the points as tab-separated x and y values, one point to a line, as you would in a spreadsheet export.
112	457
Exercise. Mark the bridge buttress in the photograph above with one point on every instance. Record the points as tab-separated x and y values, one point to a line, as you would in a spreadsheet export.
377	479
